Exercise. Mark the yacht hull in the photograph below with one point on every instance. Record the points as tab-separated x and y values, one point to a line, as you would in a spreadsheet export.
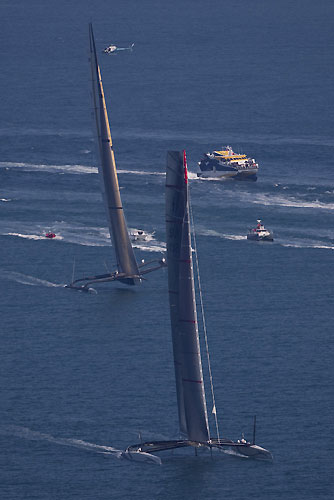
256	237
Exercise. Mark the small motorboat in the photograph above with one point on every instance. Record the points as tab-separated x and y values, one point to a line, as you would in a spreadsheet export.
140	235
50	235
260	233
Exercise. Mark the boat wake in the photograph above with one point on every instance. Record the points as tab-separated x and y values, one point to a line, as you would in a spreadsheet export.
26	433
150	246
235	237
64	169
73	169
139	172
32	236
110	451
275	195
290	202
212	232
84	235
300	243
78	234
29	280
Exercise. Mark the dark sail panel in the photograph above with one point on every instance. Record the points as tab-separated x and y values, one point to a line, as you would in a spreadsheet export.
175	208
186	348
126	261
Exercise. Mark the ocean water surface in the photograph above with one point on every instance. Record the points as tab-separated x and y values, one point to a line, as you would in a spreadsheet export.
83	374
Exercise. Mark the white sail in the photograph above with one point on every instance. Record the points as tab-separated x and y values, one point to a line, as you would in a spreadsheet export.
186	348
126	261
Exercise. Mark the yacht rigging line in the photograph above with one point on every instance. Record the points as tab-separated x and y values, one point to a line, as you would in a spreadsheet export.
214	409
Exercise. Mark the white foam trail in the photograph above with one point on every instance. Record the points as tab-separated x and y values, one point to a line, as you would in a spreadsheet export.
291	202
236	237
33	236
211	179
148	246
192	175
308	245
229	451
5	199
86	239
69	169
26	433
78	234
212	232
29	280
139	172
209	232
141	457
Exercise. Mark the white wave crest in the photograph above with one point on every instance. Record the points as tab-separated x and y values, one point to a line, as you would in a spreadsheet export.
5	199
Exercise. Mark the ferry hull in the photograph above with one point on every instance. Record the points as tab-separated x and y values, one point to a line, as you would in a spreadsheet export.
235	175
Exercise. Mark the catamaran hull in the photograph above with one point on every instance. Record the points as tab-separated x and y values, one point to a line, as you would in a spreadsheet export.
254	451
144	451
140	456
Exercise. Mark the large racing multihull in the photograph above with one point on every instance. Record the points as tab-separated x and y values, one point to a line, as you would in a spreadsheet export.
128	271
191	398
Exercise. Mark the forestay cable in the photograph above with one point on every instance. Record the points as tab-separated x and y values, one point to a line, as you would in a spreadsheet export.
214	410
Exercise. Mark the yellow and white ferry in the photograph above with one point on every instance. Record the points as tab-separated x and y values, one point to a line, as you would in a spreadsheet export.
226	163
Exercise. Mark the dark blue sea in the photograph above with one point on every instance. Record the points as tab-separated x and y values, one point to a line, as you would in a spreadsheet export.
83	374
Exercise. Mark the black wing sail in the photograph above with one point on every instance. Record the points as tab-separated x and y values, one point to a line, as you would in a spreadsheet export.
193	417
126	261
186	348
